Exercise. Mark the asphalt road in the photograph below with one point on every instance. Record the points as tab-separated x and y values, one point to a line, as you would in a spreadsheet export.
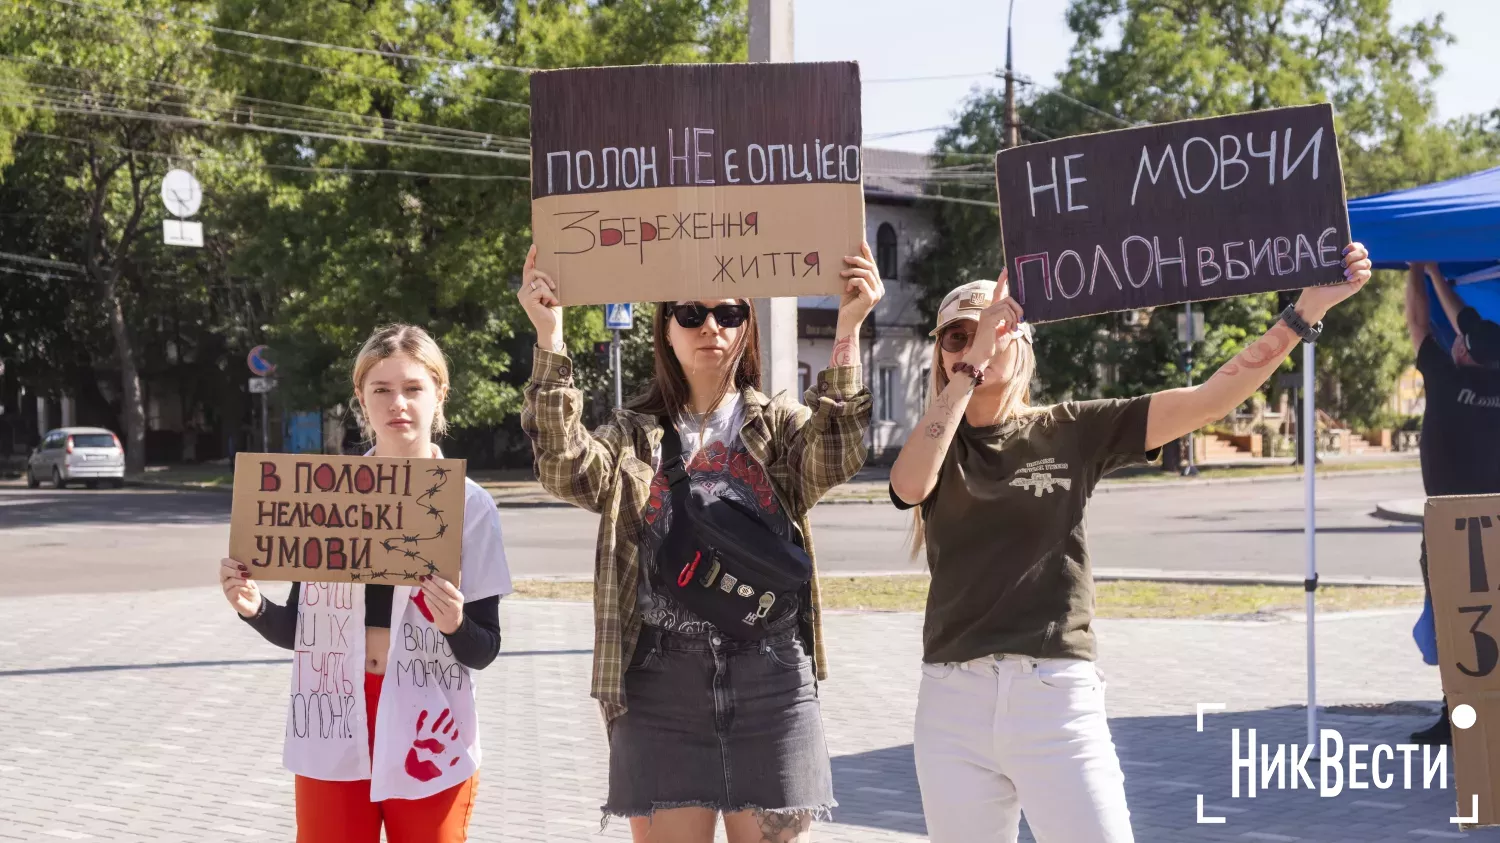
137	539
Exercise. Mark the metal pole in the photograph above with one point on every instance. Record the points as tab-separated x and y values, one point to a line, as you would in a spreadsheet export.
1012	125
1190	469
1310	460
771	40
614	354
265	424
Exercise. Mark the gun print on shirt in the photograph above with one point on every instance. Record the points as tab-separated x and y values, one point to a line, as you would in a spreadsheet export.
1042	477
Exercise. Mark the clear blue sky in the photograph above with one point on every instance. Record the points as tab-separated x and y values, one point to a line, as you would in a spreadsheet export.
901	39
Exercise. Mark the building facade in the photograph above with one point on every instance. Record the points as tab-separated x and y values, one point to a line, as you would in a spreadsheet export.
895	349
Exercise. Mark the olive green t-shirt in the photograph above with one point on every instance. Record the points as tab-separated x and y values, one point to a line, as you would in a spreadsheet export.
1006	539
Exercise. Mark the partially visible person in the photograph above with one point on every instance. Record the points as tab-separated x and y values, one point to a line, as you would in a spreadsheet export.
1461	425
384	753
702	721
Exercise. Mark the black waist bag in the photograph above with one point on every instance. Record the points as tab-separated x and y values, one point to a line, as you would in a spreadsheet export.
720	560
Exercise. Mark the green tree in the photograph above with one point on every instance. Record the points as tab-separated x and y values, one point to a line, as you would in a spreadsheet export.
1146	61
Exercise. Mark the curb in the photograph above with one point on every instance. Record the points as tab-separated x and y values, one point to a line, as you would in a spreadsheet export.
1106	486
1389	512
1118	575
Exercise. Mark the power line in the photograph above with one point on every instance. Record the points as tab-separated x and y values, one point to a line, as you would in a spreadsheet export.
1053	91
50	264
358	77
280	39
385	121
887	135
926	78
114	100
327	71
350	171
43	275
65	107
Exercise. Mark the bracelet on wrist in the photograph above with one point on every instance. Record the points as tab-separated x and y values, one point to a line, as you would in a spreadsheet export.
975	373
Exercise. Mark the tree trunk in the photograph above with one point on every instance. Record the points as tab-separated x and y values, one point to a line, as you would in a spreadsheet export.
132	403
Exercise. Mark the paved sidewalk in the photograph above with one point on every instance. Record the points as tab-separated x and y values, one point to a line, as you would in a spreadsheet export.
158	717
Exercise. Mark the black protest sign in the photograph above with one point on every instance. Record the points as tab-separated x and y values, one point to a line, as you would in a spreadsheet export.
658	183
1188	211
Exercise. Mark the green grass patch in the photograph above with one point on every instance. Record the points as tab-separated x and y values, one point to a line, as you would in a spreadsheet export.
1114	599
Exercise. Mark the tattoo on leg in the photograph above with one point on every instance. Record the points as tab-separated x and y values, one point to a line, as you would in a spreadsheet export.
782	828
843	352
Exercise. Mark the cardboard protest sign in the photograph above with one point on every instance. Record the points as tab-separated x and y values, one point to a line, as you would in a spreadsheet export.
705	181
1463	568
347	519
1158	215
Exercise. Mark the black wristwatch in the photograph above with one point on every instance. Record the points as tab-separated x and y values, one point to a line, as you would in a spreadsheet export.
1299	326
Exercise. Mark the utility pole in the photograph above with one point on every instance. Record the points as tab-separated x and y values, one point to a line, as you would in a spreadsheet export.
1190	469
1012	125
771	40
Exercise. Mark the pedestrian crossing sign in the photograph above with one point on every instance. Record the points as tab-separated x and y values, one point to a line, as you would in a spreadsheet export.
618	317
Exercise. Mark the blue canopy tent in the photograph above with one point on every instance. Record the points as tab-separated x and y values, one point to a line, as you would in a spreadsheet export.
1454	222
1457	224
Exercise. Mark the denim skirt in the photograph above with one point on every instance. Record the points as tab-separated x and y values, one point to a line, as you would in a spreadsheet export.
721	723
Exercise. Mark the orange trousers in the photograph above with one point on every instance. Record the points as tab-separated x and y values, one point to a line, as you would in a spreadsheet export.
341	812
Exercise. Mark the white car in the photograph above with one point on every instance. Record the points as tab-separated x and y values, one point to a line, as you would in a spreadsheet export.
70	454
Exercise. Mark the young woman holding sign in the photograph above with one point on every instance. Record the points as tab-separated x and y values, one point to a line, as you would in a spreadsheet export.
373	752
1010	713
705	718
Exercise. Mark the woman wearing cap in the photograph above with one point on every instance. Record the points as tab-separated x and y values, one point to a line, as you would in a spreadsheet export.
702	723
1010	713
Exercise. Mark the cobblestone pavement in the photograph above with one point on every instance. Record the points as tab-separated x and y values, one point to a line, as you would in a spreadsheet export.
157	716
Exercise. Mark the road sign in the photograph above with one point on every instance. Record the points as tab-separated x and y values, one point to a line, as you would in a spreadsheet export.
261	385
1198	327
618	317
182	233
181	193
258	363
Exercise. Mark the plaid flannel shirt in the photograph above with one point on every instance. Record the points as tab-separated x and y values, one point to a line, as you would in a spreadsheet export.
804	451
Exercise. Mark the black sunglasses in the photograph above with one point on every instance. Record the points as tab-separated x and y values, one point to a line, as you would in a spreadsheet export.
693	315
955	340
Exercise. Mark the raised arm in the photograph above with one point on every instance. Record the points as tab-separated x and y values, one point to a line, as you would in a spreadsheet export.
1418	309
915	472
1176	412
826	447
1452	304
573	464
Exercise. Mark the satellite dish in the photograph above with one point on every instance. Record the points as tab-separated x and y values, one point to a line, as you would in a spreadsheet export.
181	193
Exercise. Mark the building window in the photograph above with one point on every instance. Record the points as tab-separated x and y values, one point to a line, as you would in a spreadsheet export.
804	379
887	393
885	251
925	384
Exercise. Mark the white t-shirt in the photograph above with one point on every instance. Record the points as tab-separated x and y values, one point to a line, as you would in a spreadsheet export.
426	730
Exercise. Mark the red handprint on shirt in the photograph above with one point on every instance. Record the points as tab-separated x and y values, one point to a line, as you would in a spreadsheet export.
423	769
421	600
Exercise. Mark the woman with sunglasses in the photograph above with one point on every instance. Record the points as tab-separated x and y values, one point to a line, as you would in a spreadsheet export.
700	723
1010	712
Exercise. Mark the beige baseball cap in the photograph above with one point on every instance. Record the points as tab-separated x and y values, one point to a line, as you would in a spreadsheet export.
967	302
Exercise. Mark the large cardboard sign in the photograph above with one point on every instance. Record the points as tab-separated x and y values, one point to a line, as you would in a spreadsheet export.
672	182
347	519
1463	568
1189	211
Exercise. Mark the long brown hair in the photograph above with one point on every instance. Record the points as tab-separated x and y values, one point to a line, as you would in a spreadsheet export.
1017	401
668	392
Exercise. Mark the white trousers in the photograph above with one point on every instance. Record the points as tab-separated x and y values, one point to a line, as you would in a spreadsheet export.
996	735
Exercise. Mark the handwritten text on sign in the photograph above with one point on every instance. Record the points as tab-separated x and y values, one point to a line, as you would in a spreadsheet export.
1189	211
1463	541
696	181
347	519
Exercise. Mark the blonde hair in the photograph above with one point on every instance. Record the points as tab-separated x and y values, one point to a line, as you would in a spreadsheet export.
389	341
1016	402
